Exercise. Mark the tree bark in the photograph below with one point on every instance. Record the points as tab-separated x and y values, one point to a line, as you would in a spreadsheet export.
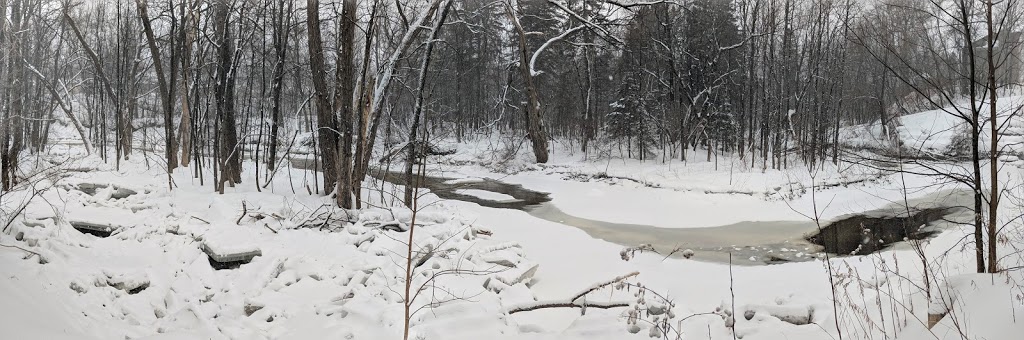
366	97
344	93
993	161
11	144
282	17
534	124
5	119
979	241
186	36
327	120
224	91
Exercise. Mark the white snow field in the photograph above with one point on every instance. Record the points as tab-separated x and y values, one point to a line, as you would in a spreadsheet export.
481	269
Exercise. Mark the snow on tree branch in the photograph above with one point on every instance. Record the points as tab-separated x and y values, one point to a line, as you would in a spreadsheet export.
561	4
578	301
533	59
388	69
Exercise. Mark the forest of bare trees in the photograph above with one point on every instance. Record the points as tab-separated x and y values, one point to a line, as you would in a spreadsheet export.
213	84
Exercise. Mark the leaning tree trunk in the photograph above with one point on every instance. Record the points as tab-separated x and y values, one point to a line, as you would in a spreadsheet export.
534	125
166	91
64	106
414	148
98	68
380	86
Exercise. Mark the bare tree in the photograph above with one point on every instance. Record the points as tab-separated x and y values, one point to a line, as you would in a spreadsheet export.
164	87
416	150
366	131
5	127
123	130
327	121
224	91
898	58
186	36
282	17
534	123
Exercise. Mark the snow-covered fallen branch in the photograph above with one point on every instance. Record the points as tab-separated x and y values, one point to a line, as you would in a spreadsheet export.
577	301
566	304
20	248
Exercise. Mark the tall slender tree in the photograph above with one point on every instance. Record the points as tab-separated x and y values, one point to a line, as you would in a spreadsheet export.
327	120
224	91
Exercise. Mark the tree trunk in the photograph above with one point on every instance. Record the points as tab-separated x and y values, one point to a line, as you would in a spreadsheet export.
98	68
64	106
186	37
414	148
534	124
365	98
344	89
993	161
231	167
979	242
383	82
10	146
282	17
327	121
166	92
5	119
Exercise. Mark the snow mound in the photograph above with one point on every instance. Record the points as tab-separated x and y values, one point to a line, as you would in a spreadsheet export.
227	244
487	195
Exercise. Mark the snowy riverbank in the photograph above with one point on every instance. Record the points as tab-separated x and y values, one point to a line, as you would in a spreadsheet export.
151	279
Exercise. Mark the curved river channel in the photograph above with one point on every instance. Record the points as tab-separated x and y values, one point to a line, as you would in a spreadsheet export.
753	242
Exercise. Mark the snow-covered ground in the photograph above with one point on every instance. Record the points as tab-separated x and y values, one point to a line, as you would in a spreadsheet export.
313	280
937	131
151	279
699	194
